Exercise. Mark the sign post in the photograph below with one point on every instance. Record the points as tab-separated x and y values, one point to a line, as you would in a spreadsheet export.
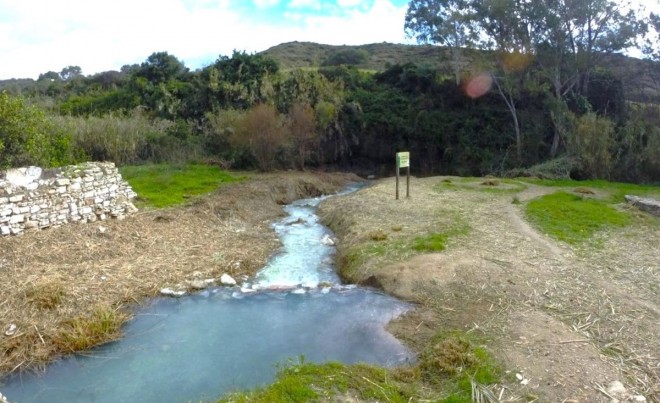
403	161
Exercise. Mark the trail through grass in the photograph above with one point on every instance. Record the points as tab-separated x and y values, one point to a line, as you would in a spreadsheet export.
163	185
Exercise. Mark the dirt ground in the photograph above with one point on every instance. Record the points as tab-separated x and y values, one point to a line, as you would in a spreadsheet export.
565	321
52	278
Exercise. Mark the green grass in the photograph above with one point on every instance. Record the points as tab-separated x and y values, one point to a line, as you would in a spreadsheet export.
571	218
617	190
430	243
165	185
444	373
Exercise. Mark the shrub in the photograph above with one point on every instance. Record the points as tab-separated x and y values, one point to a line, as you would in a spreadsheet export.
260	132
29	137
591	143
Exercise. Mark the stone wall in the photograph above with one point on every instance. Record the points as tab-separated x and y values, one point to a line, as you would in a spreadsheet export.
32	198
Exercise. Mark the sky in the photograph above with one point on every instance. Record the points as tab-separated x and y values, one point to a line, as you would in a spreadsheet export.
37	36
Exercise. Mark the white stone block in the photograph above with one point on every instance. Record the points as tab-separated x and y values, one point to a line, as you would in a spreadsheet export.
74	187
15	219
62	182
4	230
35	209
16	198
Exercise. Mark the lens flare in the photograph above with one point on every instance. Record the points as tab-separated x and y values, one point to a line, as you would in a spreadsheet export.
478	85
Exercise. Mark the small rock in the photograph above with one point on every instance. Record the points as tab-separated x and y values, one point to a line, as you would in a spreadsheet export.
226	279
519	377
197	284
209	281
171	293
616	389
299	291
3	399
639	398
325	290
246	290
101	230
327	240
11	330
103	278
197	275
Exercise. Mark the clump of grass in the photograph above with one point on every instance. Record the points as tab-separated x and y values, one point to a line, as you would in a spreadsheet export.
571	218
447	371
318	382
85	332
430	243
584	191
397	228
515	200
455	363
164	185
45	296
377	235
490	182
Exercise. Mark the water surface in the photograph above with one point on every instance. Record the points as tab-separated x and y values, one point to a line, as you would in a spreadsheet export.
223	339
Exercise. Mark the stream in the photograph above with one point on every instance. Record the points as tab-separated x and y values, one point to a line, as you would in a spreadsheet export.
219	340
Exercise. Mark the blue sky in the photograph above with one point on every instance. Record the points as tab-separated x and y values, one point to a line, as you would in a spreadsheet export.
41	35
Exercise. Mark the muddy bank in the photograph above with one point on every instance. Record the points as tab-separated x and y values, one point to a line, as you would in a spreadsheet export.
69	288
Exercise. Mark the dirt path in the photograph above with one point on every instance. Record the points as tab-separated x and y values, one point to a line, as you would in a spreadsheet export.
568	321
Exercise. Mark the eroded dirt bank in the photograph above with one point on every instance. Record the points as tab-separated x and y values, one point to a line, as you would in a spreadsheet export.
565	321
69	287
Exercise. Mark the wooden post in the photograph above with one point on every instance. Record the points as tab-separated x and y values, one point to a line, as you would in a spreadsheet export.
408	183
403	161
397	180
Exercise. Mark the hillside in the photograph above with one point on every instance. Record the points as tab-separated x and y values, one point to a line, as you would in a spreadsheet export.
640	78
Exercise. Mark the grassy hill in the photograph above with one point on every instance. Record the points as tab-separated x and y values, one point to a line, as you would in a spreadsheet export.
640	78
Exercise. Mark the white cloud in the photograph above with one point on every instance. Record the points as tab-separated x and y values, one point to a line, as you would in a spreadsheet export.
97	35
266	3
349	3
313	4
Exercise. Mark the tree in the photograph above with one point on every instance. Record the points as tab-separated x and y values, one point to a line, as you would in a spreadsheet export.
260	132
70	72
301	125
161	67
445	22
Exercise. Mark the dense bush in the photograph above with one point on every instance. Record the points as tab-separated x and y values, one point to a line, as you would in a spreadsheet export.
28	137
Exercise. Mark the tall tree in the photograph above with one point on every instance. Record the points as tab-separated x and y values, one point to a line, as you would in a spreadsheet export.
444	22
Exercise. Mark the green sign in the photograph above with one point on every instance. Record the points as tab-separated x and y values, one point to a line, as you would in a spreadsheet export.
403	159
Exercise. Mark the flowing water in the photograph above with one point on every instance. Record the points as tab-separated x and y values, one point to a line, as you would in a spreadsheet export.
223	339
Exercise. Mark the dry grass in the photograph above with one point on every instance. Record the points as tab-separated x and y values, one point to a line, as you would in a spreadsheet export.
70	288
573	316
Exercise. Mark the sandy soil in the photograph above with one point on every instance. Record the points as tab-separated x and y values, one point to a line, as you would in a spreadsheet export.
50	278
565	321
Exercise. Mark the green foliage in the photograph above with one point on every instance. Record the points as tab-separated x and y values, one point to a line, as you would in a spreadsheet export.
349	56
430	243
591	144
168	185
127	139
28	137
571	218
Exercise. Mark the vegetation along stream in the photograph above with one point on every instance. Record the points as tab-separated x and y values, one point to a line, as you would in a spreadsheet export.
223	339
